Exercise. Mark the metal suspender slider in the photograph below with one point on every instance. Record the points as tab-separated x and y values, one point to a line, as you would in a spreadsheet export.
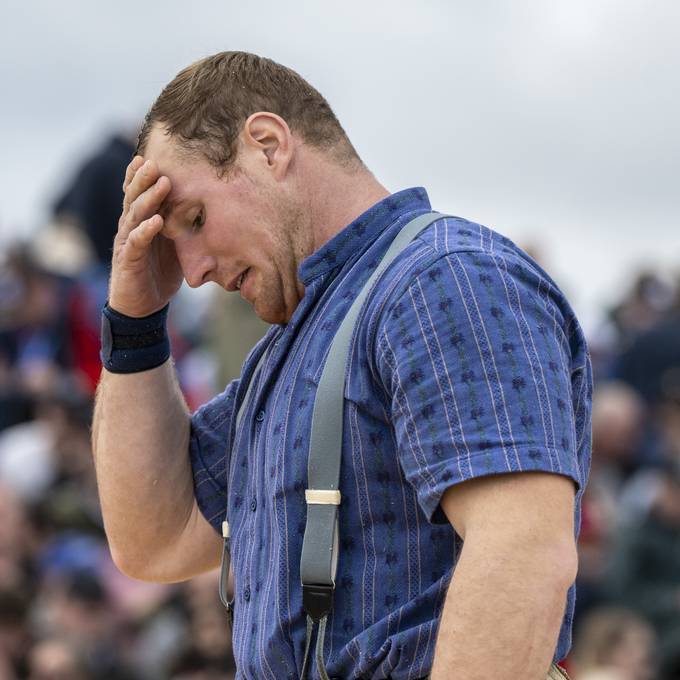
317	600
224	575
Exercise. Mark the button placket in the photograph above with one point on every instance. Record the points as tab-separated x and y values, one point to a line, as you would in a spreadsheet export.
258	419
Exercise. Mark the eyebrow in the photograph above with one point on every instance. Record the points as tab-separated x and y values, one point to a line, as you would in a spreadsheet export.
168	206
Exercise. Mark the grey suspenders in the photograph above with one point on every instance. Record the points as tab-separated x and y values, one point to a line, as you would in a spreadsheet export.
319	558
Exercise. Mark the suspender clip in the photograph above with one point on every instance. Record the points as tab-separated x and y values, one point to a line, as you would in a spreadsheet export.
317	600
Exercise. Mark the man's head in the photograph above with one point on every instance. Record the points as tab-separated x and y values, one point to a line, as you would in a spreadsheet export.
205	106
253	154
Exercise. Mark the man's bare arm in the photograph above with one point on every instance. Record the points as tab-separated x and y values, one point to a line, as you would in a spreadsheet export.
141	422
141	442
505	604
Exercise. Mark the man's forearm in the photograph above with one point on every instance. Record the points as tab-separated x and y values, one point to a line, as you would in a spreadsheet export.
503	612
140	445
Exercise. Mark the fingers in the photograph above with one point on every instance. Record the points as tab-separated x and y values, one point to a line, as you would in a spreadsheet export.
141	178
145	190
141	237
132	168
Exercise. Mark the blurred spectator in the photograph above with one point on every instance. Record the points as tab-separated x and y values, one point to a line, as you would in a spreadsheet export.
618	422
617	427
641	489
30	441
92	203
57	443
613	643
75	609
209	622
643	308
16	540
33	334
62	249
14	638
644	305
94	198
651	362
55	660
644	569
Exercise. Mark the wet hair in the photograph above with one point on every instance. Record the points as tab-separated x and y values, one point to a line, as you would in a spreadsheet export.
205	106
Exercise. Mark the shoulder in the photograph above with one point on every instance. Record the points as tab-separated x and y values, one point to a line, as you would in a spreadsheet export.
475	246
457	257
459	279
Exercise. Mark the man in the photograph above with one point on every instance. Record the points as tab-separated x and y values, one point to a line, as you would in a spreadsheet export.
467	399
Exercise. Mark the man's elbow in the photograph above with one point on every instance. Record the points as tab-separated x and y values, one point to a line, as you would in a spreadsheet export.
568	558
556	563
126	565
549	561
142	567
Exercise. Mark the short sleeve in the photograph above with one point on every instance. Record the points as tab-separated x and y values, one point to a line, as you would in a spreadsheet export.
477	366
209	447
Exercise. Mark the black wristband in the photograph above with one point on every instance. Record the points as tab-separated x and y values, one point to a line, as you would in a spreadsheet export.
131	345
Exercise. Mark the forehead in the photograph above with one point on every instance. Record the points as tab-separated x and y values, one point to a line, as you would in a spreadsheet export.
165	151
189	174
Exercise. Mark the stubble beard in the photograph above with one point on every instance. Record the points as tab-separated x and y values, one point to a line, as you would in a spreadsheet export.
280	290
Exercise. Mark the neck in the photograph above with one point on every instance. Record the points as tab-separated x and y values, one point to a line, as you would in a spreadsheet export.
336	196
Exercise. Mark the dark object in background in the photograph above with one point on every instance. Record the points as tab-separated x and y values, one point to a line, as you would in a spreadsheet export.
84	586
95	197
652	361
193	664
15	639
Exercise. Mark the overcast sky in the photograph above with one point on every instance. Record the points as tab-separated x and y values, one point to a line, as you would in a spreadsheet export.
552	121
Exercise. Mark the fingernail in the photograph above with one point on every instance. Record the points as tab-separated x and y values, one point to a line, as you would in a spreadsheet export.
146	167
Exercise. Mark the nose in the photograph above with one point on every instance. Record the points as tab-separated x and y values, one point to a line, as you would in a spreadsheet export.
196	266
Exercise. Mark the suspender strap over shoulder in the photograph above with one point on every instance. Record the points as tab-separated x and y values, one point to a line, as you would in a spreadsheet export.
318	563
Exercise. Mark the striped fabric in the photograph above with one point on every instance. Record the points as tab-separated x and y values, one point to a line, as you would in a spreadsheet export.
467	361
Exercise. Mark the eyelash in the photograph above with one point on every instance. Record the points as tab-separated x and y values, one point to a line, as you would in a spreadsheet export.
198	222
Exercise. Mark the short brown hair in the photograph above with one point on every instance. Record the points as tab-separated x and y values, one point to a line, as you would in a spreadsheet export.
205	106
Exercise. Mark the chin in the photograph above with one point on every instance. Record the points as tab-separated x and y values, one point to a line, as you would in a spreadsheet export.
272	308
272	316
270	313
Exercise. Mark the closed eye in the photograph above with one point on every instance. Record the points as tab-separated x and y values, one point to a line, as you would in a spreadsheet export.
198	221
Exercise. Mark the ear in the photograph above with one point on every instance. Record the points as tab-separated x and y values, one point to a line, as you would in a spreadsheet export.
270	138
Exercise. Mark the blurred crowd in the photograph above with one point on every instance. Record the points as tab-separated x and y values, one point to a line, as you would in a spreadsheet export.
67	613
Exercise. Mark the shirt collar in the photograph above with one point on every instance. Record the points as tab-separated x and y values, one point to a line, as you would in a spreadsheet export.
361	232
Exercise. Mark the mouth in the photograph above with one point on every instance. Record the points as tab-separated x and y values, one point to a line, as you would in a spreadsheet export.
236	283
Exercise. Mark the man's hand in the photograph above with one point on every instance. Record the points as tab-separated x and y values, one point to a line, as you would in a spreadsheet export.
145	272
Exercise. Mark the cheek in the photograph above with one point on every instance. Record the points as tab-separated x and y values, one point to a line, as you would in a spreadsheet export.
216	239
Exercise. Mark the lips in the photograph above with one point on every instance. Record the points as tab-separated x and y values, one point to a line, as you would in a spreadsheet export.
236	282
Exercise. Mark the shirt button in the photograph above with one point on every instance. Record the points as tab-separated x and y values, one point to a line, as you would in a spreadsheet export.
253	505
260	416
246	594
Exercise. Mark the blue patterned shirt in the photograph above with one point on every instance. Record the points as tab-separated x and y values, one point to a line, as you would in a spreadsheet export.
467	361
